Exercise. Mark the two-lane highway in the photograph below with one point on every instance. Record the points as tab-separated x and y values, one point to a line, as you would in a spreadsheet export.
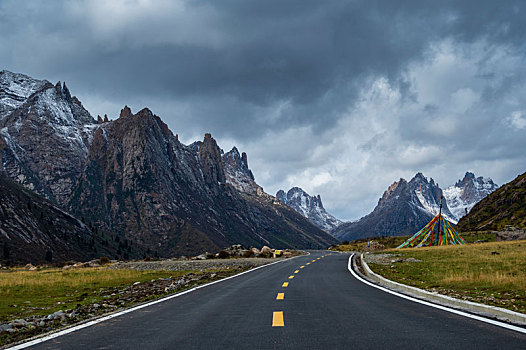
310	302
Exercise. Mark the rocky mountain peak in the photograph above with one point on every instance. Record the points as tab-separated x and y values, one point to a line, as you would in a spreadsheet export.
125	112
393	190
465	193
309	206
210	160
237	172
47	133
281	196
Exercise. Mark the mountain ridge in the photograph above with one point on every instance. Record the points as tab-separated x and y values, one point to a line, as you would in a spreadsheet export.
133	178
309	206
405	207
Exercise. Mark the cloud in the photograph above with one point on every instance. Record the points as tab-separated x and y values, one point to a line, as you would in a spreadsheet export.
341	98
517	119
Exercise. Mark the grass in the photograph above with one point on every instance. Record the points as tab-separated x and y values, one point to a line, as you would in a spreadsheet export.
395	241
27	293
491	273
361	244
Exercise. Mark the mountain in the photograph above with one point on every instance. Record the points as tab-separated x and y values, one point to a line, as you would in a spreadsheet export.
174	199
310	207
237	172
47	132
132	179
404	208
463	195
505	206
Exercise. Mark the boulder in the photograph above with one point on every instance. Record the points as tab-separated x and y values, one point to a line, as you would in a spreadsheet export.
30	267
266	250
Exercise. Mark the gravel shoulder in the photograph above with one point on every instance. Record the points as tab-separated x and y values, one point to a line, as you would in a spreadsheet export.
185	265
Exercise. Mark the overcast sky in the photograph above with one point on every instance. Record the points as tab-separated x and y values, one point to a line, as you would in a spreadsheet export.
340	98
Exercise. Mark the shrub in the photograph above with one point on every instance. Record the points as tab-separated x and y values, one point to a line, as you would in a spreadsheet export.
223	254
104	260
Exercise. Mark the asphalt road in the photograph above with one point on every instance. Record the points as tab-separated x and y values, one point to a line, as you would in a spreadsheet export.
323	307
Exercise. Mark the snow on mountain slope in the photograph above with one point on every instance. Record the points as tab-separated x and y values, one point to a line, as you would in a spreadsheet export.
15	88
47	132
237	172
463	195
310	207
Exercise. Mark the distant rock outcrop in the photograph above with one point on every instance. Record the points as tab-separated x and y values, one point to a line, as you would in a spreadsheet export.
309	206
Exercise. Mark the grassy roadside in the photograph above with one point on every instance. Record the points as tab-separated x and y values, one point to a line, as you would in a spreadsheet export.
395	241
84	293
490	273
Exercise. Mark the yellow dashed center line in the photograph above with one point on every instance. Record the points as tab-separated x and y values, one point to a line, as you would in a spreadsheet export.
277	319
291	277
285	284
302	266
318	259
297	271
314	260
280	296
308	264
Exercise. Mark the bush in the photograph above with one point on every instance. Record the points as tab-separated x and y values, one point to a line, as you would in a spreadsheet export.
223	254
104	260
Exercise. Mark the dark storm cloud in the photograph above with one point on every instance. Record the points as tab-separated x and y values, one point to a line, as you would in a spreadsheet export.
254	71
298	51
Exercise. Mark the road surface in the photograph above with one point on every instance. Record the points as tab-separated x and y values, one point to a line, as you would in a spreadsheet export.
310	302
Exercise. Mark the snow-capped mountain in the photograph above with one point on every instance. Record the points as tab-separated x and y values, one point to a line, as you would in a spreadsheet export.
47	132
404	208
309	206
428	195
237	172
463	195
15	88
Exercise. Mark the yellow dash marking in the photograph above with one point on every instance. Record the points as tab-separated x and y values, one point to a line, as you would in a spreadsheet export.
308	263
277	319
302	266
280	296
291	277
314	260
296	271
285	284
318	259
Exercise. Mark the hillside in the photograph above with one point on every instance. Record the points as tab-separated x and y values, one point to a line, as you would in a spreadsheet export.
32	229
505	206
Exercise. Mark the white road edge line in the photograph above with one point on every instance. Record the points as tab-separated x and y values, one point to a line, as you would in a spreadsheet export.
135	308
436	306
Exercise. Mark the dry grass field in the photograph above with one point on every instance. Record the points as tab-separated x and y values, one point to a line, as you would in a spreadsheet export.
25	293
492	273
